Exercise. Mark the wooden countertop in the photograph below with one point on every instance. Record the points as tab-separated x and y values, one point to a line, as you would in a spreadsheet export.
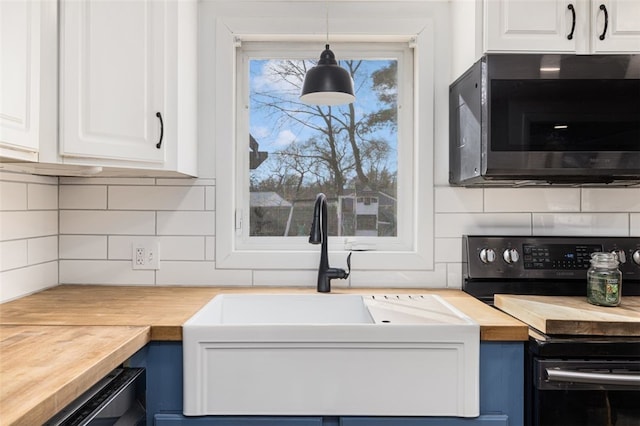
573	315
165	309
44	368
56	344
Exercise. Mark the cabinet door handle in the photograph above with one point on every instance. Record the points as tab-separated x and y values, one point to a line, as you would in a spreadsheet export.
606	20
159	144
573	21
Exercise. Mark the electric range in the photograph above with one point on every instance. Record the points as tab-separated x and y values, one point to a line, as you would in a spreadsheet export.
569	379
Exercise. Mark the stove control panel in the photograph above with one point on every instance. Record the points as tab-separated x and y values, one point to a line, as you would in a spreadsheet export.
509	257
559	256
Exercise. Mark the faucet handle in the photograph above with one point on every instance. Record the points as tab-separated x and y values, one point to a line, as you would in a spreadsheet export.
340	273
348	264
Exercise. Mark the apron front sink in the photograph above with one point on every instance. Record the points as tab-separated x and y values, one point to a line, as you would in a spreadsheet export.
330	354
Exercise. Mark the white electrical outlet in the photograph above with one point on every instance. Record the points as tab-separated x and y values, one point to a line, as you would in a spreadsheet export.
145	255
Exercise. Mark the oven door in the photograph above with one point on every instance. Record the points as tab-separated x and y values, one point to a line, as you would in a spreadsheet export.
581	392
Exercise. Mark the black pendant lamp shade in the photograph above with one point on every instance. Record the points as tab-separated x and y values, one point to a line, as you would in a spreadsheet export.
327	83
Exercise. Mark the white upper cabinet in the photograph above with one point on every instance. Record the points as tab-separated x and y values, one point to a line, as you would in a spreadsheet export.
534	25
615	26
562	26
127	84
27	77
112	69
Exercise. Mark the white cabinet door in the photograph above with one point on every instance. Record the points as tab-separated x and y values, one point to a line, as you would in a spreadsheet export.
615	26
25	65
533	25
112	79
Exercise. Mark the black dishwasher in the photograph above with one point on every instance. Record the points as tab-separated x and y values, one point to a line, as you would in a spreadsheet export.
117	399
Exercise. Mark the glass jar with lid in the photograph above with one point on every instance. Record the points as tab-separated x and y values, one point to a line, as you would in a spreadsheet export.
604	280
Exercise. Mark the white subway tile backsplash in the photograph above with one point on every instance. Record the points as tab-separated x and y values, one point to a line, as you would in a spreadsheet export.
186	223
107	222
182	248
85	197
210	248
634	226
41	250
20	282
13	254
156	198
171	248
579	224
448	249
42	197
201	273
28	234
121	246
210	195
454	275
100	218
83	247
28	224
532	200
13	196
436	278
611	199
458	200
103	272
450	225
297	278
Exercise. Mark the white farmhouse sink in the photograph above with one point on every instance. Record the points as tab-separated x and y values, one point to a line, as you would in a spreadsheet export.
330	354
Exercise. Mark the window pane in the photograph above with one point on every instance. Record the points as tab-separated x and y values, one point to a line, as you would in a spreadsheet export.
348	152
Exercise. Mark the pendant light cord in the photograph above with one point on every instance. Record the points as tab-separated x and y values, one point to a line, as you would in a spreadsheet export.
327	20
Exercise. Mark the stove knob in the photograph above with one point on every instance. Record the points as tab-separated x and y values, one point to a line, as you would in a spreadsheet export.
622	258
487	255
636	257
510	255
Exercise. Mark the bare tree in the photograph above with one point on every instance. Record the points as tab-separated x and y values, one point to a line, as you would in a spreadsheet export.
344	141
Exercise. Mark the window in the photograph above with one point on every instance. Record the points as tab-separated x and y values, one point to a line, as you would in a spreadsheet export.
347	152
372	159
360	152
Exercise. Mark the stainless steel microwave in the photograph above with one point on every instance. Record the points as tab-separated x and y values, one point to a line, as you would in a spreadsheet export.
518	119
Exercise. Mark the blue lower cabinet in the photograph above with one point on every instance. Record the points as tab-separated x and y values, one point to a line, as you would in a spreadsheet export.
501	393
163	362
482	420
180	420
502	380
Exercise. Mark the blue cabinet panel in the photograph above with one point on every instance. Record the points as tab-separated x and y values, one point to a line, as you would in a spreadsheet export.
180	420
483	420
502	380
163	361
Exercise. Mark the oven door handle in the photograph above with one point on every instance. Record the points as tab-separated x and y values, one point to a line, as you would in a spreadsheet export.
557	375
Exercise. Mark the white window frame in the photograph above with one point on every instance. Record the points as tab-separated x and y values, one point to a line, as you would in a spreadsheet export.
401	51
234	25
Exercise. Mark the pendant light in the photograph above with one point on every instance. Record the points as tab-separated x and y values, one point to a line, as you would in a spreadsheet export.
327	83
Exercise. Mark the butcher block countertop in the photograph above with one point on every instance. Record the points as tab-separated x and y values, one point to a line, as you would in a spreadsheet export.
55	344
44	368
165	309
573	315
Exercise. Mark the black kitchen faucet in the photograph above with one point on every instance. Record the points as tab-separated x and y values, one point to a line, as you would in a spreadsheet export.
318	235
